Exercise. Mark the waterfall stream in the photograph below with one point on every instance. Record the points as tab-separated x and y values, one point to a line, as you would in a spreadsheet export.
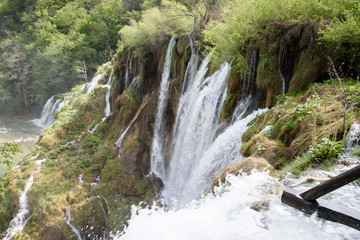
73	229
18	223
157	161
50	108
353	136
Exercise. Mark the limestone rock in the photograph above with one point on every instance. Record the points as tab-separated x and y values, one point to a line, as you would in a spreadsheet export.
245	166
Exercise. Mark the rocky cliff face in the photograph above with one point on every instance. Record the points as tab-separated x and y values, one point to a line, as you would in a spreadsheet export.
97	169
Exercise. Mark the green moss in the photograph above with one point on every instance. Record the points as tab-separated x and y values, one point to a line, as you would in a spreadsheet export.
306	71
229	105
141	186
268	77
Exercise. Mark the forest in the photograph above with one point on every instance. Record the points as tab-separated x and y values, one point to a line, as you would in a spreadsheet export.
48	46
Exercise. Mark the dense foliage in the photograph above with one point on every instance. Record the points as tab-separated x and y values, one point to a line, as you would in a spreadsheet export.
243	19
48	46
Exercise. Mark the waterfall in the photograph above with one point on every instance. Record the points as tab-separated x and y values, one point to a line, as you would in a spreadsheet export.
191	67
73	229
50	108
157	161
107	97
196	124
128	73
223	151
94	82
18	223
285	79
353	136
249	83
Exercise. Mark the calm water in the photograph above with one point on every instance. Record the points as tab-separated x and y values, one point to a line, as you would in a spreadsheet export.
24	132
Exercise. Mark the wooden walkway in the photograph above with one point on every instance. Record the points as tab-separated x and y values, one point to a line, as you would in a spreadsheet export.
308	201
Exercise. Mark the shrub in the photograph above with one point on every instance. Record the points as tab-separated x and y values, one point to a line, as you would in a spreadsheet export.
155	27
326	150
242	19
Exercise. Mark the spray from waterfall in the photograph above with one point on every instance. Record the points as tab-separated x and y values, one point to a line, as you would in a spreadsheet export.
157	158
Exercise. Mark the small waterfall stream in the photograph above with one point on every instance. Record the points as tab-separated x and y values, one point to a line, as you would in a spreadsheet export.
51	107
353	136
191	67
157	162
94	82
18	223
73	229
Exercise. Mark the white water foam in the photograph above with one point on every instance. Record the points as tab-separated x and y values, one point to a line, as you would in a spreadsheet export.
249	207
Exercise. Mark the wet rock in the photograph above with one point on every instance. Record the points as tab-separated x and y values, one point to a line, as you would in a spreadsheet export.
52	232
155	186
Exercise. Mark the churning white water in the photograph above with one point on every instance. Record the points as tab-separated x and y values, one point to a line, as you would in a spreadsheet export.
18	223
157	166
249	207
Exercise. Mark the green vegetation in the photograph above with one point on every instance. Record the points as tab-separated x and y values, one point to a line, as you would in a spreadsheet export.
243	19
146	35
309	126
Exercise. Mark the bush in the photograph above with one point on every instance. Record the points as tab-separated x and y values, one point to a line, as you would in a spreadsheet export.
242	19
155	27
326	150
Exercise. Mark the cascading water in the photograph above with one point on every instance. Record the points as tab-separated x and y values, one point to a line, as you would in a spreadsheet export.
73	229
353	136
196	125
119	142
157	161
285	77
50	108
18	223
191	67
94	82
249	83
128	73
107	97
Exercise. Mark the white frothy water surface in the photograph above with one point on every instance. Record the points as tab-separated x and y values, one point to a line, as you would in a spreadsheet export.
249	207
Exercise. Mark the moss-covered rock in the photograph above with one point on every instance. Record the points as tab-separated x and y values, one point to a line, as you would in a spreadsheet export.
245	166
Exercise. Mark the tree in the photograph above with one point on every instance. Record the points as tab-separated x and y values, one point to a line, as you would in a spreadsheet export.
8	151
17	70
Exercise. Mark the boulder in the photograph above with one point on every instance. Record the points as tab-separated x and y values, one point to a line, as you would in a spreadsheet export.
245	166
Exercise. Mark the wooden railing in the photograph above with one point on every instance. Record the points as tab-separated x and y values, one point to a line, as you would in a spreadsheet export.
308	201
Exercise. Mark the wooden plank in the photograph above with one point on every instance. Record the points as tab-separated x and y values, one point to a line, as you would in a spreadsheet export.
325	209
331	184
